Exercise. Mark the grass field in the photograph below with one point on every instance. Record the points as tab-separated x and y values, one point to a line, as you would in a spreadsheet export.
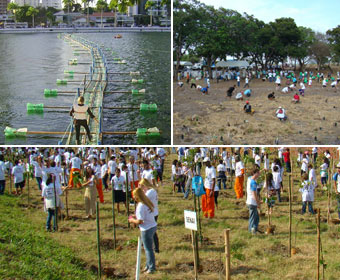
27	251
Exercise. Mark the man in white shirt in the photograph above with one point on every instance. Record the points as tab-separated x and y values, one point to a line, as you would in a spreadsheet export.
161	153
98	172
112	167
133	173
208	199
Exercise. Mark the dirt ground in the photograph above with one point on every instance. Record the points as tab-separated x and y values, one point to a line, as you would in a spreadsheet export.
216	119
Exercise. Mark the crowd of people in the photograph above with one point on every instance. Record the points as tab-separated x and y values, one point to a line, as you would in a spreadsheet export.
130	173
285	82
263	179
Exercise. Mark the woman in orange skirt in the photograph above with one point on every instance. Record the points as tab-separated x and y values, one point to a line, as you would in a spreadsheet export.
239	173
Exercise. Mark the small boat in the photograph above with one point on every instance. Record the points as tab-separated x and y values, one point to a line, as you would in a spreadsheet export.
118	36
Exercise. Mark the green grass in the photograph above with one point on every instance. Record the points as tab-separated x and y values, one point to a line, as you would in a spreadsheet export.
27	251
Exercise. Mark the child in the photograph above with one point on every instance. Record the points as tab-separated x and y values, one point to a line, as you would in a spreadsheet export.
312	175
18	173
50	195
323	172
307	192
118	183
269	187
304	164
221	169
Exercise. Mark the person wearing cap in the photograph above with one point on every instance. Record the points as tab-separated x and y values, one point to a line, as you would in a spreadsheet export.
208	199
281	114
247	108
336	178
239	173
78	112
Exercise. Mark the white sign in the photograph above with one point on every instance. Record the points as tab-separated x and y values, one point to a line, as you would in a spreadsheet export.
190	220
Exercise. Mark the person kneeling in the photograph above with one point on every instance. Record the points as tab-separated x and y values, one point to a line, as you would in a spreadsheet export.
247	108
296	98
271	96
281	114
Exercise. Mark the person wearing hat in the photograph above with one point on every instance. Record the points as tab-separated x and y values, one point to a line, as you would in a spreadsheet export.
247	108
208	199
78	112
281	114
336	178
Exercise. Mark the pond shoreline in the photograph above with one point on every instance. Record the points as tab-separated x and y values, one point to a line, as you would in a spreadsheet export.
84	30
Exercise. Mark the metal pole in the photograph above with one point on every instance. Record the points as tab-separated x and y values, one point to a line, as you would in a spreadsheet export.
113	218
127	196
55	205
98	242
318	253
290	216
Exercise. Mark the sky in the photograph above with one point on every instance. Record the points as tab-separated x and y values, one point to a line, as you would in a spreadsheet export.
317	14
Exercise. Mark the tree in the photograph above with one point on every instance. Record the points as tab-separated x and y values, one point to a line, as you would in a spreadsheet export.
148	6
303	52
334	40
320	50
68	4
31	13
13	7
184	19
101	6
114	7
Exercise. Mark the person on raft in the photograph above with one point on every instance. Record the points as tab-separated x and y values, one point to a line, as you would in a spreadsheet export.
78	112
281	114
247	108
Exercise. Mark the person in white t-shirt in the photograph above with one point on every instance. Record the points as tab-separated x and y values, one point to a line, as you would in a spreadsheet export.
118	185
145	218
304	164
38	170
221	178
148	173
208	199
51	197
151	193
307	192
112	165
324	172
76	163
18	174
239	173
105	174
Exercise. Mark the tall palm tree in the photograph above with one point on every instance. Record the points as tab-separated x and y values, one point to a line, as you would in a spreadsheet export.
31	12
13	7
101	6
68	4
122	6
148	6
87	7
114	7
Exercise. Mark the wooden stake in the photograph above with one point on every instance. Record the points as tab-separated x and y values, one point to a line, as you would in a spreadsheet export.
199	220
98	242
318	252
194	252
227	253
290	216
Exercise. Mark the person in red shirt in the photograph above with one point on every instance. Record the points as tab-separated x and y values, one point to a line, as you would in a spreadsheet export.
296	98
286	158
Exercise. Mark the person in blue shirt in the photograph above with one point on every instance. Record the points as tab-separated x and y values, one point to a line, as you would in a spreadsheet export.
253	201
336	178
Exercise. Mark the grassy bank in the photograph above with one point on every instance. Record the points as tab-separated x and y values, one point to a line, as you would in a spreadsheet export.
28	252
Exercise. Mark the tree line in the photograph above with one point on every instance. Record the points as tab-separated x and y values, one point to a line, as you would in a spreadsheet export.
40	15
203	31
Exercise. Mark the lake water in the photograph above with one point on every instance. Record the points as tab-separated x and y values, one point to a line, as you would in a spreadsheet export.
29	63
